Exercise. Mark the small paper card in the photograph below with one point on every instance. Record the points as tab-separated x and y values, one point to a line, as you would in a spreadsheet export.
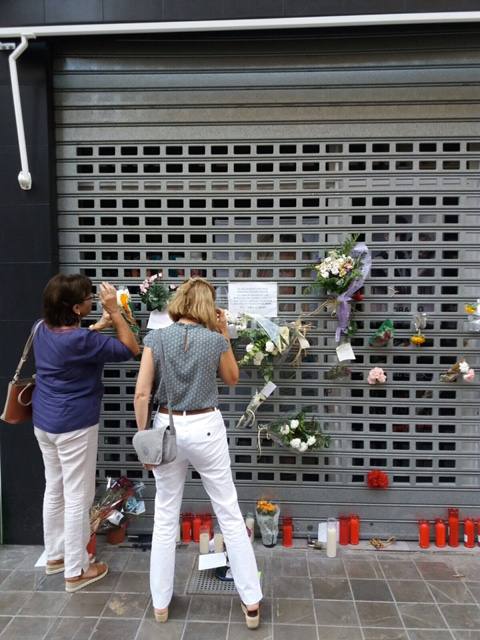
211	560
345	352
159	320
322	531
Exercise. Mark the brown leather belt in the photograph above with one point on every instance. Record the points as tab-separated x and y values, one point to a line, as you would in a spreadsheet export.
189	412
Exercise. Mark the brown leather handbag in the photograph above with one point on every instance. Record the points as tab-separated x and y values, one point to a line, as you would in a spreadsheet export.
18	403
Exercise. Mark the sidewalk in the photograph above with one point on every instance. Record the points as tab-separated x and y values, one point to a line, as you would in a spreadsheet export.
360	595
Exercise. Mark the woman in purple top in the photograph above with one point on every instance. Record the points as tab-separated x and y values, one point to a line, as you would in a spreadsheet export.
66	409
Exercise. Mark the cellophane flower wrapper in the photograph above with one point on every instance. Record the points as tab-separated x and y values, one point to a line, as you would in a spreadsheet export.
118	493
269	342
298	433
124	302
382	335
337	372
154	293
340	274
247	419
268	525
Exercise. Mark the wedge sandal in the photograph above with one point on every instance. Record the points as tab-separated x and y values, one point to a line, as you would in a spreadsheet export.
252	618
95	572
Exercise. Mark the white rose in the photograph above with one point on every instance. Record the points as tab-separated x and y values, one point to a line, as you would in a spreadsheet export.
303	447
295	443
249	348
269	347
285	430
294	424
311	440
464	367
257	358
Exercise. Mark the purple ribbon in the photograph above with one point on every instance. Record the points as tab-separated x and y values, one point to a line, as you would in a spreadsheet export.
343	308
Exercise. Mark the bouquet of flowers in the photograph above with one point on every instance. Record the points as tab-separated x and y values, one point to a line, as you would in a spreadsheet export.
267	341
124	303
460	368
382	335
267	515
376	376
154	293
121	499
298	433
340	275
377	479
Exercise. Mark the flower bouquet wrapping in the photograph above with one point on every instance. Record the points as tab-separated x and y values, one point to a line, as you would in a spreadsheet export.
248	418
268	341
124	303
472	325
299	433
121	500
155	294
382	335
267	515
460	368
340	275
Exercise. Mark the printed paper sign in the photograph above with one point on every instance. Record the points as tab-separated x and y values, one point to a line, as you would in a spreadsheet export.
211	560
345	352
159	320
253	298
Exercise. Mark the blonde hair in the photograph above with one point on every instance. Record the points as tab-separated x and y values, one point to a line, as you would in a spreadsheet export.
195	300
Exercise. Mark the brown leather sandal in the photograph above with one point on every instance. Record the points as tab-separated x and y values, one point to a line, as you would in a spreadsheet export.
161	615
54	566
95	572
252	618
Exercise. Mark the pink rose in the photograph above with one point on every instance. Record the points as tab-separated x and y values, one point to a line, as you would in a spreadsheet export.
469	376
375	375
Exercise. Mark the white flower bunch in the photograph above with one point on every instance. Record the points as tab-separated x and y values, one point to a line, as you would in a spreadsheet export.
335	264
299	433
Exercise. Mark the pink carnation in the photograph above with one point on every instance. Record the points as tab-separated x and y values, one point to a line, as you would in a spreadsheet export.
376	375
469	376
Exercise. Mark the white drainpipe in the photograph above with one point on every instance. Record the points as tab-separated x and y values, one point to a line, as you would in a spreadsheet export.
24	177
384	19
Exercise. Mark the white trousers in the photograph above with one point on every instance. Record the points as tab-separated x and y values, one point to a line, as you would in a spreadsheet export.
202	441
70	460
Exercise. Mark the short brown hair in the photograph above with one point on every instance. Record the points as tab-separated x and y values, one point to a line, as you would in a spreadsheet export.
61	294
195	300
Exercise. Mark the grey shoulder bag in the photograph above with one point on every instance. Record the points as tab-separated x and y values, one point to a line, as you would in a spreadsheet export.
158	446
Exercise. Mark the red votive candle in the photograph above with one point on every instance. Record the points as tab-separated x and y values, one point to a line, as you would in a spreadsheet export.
344	526
197	523
440	533
287	530
469	533
423	534
453	527
354	529
186	531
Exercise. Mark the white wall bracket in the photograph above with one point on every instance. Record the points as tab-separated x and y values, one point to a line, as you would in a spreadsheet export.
24	177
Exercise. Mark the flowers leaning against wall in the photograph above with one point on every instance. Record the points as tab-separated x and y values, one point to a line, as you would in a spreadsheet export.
340	275
298	433
154	293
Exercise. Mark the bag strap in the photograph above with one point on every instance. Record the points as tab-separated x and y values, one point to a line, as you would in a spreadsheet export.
165	379
26	351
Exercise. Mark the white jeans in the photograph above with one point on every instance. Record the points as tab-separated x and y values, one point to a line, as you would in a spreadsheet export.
202	441
70	460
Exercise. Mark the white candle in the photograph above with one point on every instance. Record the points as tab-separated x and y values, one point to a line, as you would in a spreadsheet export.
218	543
203	543
331	538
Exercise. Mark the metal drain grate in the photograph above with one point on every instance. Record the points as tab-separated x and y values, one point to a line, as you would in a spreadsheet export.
206	582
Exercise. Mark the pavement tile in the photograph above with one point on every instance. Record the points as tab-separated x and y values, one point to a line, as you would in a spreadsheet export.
287	632
85	604
72	629
20	581
216	609
461	616
451	592
237	631
378	614
421	616
117	629
283	588
331	613
339	633
44	604
292	611
133	582
376	590
331	589
395	570
410	591
287	567
436	570
27	628
431	634
363	568
151	630
12	601
4	620
373	633
326	567
126	605
205	631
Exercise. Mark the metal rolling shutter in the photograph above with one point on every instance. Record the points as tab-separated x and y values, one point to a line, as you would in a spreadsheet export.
236	158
